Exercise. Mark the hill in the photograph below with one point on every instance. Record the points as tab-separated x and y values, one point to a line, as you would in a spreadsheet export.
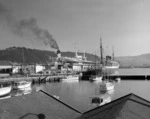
141	61
32	56
29	56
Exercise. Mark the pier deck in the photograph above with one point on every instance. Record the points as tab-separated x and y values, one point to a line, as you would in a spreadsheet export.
124	77
132	76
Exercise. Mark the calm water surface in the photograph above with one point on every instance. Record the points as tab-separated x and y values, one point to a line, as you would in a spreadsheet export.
78	94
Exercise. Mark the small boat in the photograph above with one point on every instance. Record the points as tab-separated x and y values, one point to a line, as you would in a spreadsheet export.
4	90
21	85
99	100
118	79
24	91
5	96
71	78
106	86
112	65
96	78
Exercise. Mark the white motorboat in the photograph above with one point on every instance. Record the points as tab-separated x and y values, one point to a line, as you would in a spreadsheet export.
71	78
118	79
5	96
99	100
4	90
96	78
24	91
21	85
106	86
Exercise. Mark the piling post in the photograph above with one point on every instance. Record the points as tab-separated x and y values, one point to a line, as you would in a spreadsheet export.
145	77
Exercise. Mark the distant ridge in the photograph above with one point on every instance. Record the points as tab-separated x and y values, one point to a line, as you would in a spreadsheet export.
32	56
17	54
140	61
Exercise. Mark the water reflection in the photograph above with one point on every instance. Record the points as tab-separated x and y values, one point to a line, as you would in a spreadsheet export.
18	92
78	95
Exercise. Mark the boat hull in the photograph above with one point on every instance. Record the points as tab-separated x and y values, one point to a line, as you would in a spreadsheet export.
71	79
106	86
96	78
100	100
5	90
22	86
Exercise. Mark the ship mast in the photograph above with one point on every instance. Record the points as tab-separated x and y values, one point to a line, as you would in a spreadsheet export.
23	61
113	55
101	51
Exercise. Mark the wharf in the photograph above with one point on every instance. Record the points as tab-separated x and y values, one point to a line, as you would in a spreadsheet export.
123	77
43	78
35	78
131	77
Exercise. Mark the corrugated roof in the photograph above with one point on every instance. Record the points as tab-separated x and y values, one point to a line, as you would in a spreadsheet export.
128	107
38	105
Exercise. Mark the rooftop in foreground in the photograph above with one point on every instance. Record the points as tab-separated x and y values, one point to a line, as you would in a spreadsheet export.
41	105
128	107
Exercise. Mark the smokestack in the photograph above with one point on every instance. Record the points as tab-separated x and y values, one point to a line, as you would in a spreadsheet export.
58	54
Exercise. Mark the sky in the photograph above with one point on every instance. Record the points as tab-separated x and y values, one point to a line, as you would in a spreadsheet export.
122	24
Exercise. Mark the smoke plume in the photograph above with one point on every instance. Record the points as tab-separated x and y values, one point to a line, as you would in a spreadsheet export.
26	28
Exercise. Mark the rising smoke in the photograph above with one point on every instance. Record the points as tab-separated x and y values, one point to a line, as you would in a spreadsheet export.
26	28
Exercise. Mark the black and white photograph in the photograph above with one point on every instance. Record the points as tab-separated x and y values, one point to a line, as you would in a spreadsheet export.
74	59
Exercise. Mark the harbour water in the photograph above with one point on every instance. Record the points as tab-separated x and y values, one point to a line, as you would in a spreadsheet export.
78	94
